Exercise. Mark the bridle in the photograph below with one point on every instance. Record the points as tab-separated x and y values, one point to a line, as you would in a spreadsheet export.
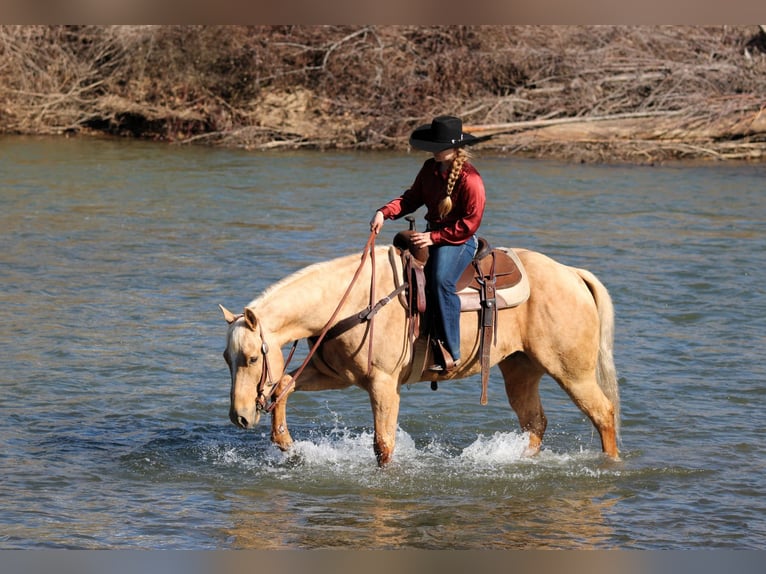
260	401
264	403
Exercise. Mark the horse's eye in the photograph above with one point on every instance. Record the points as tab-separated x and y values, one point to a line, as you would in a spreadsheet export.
252	360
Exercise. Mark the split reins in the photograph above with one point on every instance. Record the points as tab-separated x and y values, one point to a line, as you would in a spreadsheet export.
330	327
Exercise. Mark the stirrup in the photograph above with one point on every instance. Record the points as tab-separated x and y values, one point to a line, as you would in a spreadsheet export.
443	360
437	368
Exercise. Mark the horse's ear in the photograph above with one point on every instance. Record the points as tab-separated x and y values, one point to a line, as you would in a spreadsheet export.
250	319
228	315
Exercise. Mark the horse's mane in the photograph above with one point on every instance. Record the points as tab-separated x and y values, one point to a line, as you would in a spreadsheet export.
318	267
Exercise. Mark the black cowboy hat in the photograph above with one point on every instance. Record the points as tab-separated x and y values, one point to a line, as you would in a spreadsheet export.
444	132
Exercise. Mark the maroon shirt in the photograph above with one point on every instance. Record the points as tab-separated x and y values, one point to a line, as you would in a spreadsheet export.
430	187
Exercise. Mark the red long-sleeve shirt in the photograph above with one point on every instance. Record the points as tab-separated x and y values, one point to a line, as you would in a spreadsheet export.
429	188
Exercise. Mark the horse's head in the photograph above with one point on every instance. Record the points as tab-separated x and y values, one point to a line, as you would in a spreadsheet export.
252	366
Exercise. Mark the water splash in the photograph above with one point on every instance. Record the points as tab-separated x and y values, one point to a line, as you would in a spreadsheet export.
500	448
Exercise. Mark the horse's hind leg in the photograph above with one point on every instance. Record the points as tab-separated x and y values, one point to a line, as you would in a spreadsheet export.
592	401
522	382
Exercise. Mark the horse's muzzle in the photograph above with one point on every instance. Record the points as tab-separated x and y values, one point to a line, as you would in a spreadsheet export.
245	420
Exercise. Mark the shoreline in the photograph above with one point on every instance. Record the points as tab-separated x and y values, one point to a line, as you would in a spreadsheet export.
628	152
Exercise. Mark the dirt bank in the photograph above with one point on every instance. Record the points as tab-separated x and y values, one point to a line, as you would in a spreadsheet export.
590	93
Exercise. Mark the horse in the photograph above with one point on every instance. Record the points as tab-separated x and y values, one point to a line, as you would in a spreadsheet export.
564	329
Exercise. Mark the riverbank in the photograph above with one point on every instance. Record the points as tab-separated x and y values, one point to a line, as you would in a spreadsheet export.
579	93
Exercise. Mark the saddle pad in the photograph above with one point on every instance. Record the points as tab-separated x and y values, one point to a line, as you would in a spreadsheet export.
510	296
507	296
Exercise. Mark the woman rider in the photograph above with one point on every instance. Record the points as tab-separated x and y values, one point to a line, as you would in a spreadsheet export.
453	193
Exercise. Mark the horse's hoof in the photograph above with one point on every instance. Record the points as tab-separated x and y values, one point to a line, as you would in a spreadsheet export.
530	451
281	438
284	446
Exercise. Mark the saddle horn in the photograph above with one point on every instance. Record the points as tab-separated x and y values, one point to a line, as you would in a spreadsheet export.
403	241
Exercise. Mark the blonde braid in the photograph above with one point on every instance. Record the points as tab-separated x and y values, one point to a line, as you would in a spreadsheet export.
461	155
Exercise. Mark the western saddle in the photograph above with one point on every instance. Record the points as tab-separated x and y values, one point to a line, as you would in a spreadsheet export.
489	271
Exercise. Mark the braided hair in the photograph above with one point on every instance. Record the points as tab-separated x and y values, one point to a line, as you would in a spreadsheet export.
461	156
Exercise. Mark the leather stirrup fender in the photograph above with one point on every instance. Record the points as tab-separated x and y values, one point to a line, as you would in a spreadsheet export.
488	326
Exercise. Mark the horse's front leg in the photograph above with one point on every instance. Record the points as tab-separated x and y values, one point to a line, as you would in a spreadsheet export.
310	379
384	398
280	435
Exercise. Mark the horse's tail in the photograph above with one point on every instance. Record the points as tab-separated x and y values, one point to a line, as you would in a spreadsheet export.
606	373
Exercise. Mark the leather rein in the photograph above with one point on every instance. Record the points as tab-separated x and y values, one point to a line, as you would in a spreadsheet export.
330	330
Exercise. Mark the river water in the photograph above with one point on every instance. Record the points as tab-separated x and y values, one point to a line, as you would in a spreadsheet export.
113	415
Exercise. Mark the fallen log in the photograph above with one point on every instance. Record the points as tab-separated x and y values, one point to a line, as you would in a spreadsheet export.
662	126
511	127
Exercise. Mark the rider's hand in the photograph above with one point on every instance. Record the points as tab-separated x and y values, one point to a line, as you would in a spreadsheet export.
421	239
376	223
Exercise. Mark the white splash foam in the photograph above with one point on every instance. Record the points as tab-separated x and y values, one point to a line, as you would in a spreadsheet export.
500	448
341	447
345	456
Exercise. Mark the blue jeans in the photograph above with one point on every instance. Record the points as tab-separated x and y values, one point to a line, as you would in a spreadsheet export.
444	267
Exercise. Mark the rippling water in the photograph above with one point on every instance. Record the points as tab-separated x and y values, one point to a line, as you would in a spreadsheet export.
113	418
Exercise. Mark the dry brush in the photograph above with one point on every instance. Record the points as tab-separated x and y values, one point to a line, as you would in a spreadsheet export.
590	92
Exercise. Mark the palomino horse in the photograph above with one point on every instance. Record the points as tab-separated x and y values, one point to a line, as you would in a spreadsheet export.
565	329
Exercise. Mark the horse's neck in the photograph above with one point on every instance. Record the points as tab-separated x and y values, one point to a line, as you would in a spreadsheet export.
300	305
